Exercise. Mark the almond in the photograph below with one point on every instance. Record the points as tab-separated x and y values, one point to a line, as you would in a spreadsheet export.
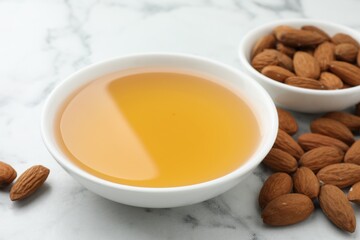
353	154
289	51
346	52
304	82
330	81
306	182
337	208
306	65
324	54
280	161
286	143
320	157
340	174
347	72
287	122
287	209
310	141
7	174
30	181
344	38
270	57
276	185
277	73
332	128
354	193
266	42
296	38
358	59
317	30
348	119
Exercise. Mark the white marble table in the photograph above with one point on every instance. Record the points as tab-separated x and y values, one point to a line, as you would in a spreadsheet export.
44	41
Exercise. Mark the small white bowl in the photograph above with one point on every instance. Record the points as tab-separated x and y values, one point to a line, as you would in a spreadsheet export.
256	97
295	98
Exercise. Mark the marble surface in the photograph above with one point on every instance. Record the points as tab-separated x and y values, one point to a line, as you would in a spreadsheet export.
44	41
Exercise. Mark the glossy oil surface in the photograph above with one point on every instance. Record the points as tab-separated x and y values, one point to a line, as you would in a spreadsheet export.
157	129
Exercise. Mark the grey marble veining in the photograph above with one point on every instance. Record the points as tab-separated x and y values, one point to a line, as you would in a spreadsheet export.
42	42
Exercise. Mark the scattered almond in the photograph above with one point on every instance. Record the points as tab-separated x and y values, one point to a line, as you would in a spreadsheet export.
337	208
330	81
266	42
310	141
353	154
30	181
320	157
276	185
340	174
287	209
280	161
346	52
7	174
332	128
349	73
344	38
304	82
286	143
324	54
277	73
348	119
287	122
306	65
354	193
306	182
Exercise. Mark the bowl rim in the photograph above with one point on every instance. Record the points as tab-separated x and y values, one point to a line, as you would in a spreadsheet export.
247	167
271	25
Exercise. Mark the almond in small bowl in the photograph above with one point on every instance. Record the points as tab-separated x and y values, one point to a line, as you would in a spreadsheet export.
311	66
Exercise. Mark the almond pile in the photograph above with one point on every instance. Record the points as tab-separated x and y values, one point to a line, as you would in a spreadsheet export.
30	181
316	167
308	58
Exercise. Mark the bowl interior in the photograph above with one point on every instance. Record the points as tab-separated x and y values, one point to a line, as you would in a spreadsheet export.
250	91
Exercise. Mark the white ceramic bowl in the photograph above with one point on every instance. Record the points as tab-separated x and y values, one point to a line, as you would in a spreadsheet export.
240	83
295	98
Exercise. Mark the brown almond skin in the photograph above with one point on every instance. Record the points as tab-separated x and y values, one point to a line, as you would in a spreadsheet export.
337	208
316	29
332	128
349	73
277	73
276	185
310	141
305	65
306	182
321	157
297	38
324	54
287	209
272	57
344	38
265	42
340	174
346	52
353	154
280	161
348	119
30	181
304	82
287	122
331	81
286	143
289	51
354	193
7	174
358	58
